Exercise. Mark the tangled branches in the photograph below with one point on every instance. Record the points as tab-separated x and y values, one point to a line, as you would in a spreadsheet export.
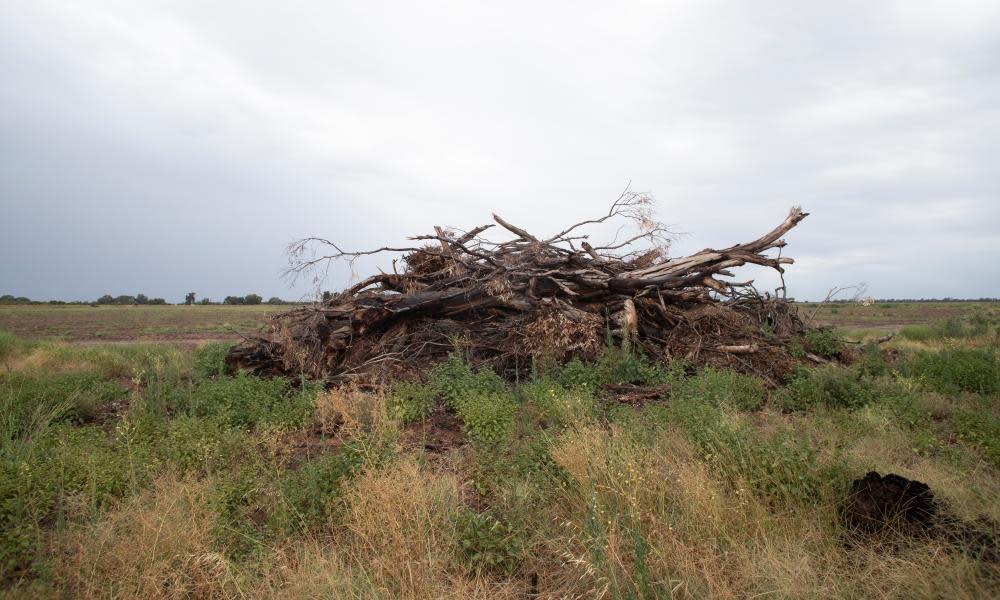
530	296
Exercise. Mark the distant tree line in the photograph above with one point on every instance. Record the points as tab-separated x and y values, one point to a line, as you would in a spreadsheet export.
142	299
249	299
884	300
128	300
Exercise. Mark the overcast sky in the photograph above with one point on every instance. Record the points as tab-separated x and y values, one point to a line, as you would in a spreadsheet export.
175	146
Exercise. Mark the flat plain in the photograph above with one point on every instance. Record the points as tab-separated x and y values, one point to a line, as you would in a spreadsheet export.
133	465
84	323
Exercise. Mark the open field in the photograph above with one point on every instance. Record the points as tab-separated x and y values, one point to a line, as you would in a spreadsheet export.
222	322
132	323
888	316
143	470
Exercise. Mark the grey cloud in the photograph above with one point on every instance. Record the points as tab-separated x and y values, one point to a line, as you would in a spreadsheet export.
163	147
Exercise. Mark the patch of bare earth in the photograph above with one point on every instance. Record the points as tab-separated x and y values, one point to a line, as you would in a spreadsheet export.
298	447
437	434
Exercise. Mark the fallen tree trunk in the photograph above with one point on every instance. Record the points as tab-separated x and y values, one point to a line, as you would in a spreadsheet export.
506	303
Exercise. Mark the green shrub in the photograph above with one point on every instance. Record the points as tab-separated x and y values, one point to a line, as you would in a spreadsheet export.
716	387
488	544
783	466
246	401
823	342
411	401
559	405
210	359
980	429
312	493
487	417
956	370
200	445
831	386
872	363
951	328
75	397
454	379
577	374
8	345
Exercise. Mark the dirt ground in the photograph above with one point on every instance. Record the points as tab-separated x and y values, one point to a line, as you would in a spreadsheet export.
134	323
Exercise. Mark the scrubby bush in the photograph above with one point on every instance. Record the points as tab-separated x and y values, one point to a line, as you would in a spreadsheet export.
559	405
823	342
980	429
956	370
411	401
716	387
245	401
487	417
312	492
783	466
951	328
210	359
75	397
487	543
831	386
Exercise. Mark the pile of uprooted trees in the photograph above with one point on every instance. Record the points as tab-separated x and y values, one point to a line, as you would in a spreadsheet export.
508	303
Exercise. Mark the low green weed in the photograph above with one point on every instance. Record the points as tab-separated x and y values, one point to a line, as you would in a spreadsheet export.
717	387
557	405
246	401
951	328
202	445
956	370
82	396
782	466
411	401
487	543
9	344
480	399
980	429
487	417
453	379
210	359
823	342
872	363
831	386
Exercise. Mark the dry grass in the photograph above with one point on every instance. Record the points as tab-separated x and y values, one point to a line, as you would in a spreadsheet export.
156	546
397	540
709	539
638	510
